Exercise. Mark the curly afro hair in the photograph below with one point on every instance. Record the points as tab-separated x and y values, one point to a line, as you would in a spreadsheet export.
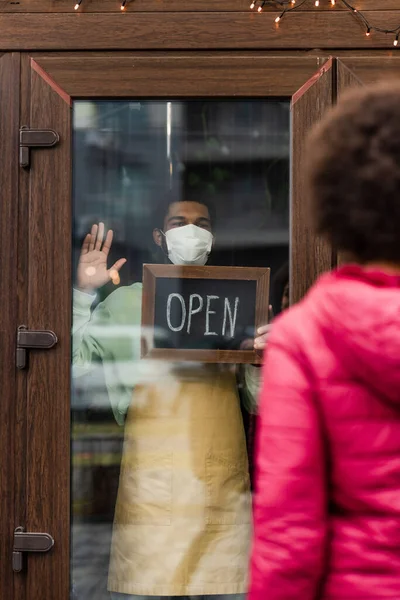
353	174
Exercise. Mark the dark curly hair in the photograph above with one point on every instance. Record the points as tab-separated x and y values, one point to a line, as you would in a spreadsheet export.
161	209
353	174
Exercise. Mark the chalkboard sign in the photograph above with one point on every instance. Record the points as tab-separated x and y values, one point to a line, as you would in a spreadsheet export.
203	313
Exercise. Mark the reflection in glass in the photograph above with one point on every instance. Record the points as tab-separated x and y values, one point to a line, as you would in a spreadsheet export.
162	450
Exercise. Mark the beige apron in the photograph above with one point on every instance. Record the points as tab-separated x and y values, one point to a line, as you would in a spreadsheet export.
183	513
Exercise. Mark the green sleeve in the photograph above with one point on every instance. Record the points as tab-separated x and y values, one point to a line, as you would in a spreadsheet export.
252	380
109	335
87	347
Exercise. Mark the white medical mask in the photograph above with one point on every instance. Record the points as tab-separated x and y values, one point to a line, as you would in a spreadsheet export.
188	245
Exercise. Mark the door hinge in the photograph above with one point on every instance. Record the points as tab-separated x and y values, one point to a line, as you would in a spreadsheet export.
25	541
34	138
32	340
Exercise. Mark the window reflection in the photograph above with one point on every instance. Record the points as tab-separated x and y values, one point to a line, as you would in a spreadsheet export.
161	501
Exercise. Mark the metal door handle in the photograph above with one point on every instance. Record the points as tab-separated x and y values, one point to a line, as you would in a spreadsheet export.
25	541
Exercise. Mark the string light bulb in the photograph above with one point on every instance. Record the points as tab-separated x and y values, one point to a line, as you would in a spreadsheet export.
77	5
123	4
289	5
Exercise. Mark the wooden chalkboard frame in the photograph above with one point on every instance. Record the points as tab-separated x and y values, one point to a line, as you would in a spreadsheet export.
261	275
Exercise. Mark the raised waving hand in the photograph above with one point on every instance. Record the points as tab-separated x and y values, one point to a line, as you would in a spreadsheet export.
93	272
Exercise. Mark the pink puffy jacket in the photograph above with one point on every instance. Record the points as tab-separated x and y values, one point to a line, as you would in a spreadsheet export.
327	503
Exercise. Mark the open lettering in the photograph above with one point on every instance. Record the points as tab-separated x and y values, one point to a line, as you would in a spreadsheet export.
212	312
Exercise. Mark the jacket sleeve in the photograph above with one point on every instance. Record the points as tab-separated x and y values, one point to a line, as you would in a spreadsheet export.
111	333
86	346
109	339
290	503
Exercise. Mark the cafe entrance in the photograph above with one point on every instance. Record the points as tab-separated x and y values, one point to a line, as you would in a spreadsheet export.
116	458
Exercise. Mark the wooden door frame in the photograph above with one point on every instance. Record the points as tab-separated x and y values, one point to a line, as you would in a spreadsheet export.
18	401
10	294
361	69
37	425
164	24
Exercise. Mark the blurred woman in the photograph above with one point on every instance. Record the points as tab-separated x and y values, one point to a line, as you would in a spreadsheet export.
327	504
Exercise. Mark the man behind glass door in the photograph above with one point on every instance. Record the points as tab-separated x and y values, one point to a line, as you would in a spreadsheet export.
183	512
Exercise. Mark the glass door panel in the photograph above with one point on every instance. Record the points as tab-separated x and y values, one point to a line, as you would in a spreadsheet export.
161	450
